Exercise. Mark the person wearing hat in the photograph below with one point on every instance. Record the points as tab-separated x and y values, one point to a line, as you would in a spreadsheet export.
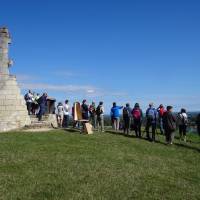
169	123
161	110
137	119
151	119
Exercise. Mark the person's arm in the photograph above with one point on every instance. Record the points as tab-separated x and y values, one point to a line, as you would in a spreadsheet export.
173	118
102	109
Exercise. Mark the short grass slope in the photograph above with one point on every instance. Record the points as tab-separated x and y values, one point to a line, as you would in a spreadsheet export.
61	165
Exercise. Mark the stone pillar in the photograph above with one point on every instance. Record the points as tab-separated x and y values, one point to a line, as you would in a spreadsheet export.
4	59
13	112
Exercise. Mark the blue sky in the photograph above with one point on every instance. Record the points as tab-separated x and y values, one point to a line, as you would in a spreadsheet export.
111	50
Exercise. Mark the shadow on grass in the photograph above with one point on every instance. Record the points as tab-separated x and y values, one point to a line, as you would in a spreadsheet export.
129	136
187	147
158	141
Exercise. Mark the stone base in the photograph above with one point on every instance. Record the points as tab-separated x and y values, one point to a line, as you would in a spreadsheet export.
13	111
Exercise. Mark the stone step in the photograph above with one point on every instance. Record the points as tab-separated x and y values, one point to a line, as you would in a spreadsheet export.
37	125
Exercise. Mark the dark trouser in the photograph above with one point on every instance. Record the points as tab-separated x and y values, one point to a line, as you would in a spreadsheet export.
126	124
169	136
41	112
161	126
85	116
66	121
137	127
198	129
182	130
151	125
29	107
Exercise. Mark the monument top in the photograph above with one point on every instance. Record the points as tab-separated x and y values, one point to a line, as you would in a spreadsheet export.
4	33
5	62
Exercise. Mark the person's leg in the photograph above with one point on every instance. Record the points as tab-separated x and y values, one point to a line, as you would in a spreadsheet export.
171	137
128	125
161	126
40	114
102	123
139	129
184	132
198	129
67	121
29	107
153	132
118	121
64	121
167	136
95	121
136	127
115	123
180	132
147	129
124	119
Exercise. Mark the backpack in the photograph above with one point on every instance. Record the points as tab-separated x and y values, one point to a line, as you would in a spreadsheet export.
151	114
125	112
183	119
136	114
99	110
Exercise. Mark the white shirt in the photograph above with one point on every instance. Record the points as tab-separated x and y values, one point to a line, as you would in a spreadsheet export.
66	109
60	110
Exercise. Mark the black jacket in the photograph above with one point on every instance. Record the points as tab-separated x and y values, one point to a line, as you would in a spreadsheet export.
169	121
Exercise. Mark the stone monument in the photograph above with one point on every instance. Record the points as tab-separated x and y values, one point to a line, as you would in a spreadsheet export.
13	111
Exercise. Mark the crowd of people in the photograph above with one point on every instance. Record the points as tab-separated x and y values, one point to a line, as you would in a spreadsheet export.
36	103
131	120
164	118
89	113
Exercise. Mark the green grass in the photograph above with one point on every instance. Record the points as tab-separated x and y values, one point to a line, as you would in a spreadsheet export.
59	165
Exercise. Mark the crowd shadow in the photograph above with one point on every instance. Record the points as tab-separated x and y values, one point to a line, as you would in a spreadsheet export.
158	140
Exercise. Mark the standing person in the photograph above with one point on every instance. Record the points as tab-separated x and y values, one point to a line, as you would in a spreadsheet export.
182	122
29	101
127	118
198	123
42	101
66	114
161	110
60	114
137	119
115	114
151	117
169	124
93	116
100	117
85	110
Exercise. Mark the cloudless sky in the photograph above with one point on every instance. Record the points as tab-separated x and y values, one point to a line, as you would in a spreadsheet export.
111	50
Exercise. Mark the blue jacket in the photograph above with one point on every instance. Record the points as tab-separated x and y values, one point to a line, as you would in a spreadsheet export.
115	111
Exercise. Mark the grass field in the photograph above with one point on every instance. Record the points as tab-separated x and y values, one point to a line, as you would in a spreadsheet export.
61	165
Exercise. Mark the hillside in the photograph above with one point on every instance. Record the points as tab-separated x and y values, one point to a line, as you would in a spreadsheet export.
61	165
